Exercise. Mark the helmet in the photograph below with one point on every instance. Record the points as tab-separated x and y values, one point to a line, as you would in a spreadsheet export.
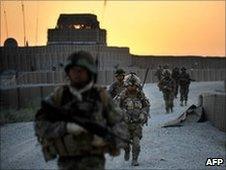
166	66
119	72
166	73
176	68
81	59
183	69
132	79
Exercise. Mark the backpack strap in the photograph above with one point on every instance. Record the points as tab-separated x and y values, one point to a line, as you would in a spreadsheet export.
60	94
104	97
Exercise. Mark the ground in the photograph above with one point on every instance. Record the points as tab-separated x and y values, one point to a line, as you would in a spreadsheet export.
184	147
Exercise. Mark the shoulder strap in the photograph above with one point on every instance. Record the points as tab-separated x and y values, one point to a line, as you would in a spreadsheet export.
59	95
103	95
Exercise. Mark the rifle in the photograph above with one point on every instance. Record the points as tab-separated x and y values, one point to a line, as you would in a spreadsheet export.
69	115
145	77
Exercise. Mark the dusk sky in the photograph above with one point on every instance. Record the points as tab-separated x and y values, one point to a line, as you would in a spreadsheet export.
146	27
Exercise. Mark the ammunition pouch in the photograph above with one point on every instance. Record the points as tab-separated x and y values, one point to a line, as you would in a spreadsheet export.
75	145
48	150
133	116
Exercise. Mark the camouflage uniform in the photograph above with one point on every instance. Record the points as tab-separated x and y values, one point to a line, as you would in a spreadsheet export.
136	109
117	86
167	86
175	77
166	67
184	82
158	72
80	149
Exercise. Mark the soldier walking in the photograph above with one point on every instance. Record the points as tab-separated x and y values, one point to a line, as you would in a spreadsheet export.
117	86
184	82
175	77
77	145
158	72
167	85
136	108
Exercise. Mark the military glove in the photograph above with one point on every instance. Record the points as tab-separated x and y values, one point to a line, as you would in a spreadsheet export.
82	109
98	141
141	117
74	129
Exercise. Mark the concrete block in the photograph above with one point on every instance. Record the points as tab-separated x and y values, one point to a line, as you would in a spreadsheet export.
214	105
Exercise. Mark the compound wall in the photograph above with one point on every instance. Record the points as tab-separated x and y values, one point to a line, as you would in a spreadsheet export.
215	109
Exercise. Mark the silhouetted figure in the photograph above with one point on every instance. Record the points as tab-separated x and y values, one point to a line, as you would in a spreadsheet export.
167	85
184	82
118	85
176	77
158	72
75	121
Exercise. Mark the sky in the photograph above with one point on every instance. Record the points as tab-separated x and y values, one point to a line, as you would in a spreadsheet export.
146	27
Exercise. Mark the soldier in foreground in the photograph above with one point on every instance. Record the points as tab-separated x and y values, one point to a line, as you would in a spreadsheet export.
77	123
175	77
184	82
136	108
166	85
117	86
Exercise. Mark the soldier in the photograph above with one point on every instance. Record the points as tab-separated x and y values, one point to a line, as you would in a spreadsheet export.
136	108
175	77
167	86
117	86
158	72
76	144
184	82
166	67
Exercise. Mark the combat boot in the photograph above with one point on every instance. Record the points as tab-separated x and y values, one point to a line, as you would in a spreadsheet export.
181	103
135	162
135	158
126	155
167	110
171	109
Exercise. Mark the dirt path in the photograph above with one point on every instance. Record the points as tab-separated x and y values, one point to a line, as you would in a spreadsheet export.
185	147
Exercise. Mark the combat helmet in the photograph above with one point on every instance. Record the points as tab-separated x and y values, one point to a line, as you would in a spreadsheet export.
183	69
132	79
166	73
81	59
119	72
166	66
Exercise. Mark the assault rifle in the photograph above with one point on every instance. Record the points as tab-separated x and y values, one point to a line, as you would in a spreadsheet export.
68	115
145	78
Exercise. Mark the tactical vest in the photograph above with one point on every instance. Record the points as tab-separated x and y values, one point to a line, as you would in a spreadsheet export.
71	145
184	79
133	105
116	89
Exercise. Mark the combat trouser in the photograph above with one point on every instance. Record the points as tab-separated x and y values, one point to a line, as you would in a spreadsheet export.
135	132
184	93
168	98
176	90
